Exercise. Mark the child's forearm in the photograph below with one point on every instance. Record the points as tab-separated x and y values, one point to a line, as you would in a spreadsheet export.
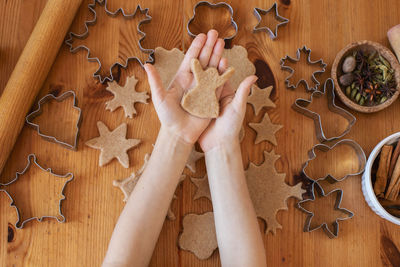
238	233
140	223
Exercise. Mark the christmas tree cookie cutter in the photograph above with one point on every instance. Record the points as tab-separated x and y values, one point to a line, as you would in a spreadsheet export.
213	6
92	22
315	187
31	116
258	12
306	51
32	160
300	105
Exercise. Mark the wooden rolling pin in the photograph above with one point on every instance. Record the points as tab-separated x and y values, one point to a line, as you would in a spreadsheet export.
31	70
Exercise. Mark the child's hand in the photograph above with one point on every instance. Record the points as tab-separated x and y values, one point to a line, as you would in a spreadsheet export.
225	129
208	49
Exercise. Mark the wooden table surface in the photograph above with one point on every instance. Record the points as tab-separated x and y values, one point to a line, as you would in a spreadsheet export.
93	205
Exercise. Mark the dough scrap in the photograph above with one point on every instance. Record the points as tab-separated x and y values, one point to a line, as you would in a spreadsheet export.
199	235
201	101
113	144
125	96
203	188
268	190
167	63
265	130
259	98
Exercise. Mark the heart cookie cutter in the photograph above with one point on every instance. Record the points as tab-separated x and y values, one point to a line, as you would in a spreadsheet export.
213	6
306	51
32	160
31	116
325	148
324	225
282	21
92	22
300	105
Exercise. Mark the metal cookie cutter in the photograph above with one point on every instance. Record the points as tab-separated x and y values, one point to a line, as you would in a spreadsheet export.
92	22
324	225
31	116
282	20
213	6
32	159
330	178
306	51
300	105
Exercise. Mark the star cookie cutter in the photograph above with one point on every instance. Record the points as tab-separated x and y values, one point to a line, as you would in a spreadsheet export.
300	105
306	51
31	116
32	160
92	22
324	225
213	6
282	21
330	178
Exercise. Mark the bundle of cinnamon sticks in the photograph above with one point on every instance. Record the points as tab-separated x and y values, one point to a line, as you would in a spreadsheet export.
387	182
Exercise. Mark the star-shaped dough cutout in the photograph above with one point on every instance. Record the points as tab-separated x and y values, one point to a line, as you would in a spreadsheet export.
113	144
259	98
125	96
268	190
201	101
265	130
203	188
193	158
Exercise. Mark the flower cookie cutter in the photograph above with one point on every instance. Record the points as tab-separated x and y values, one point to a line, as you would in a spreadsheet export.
92	22
31	116
306	51
32	160
329	177
324	225
213	6
300	105
258	12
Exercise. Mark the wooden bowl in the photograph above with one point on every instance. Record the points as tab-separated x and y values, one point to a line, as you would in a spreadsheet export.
366	46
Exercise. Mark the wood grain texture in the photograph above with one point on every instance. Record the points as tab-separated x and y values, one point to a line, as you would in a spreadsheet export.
93	204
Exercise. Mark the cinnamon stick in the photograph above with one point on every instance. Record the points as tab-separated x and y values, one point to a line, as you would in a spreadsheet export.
394	186
383	170
395	156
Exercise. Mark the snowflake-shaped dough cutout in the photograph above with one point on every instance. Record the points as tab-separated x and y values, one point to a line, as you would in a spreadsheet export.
125	96
269	191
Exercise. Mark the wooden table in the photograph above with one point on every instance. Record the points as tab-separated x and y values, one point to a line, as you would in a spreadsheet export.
93	204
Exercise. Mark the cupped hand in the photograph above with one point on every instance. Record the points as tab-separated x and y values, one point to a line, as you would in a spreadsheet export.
208	49
225	129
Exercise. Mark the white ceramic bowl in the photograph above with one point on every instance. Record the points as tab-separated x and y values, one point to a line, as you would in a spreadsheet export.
366	182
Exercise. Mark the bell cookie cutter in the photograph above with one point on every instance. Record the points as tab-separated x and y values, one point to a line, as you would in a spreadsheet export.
324	225
329	177
92	22
300	105
213	6
31	116
282	21
307	51
32	160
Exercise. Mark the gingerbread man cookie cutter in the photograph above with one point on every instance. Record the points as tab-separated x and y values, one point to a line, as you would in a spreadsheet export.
85	34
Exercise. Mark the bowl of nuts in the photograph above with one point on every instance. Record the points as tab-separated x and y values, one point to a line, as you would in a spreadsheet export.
366	76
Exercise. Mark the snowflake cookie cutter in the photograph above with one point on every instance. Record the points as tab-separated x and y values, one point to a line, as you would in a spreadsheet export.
300	105
31	116
32	160
315	187
282	21
92	22
306	51
213	6
362	160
